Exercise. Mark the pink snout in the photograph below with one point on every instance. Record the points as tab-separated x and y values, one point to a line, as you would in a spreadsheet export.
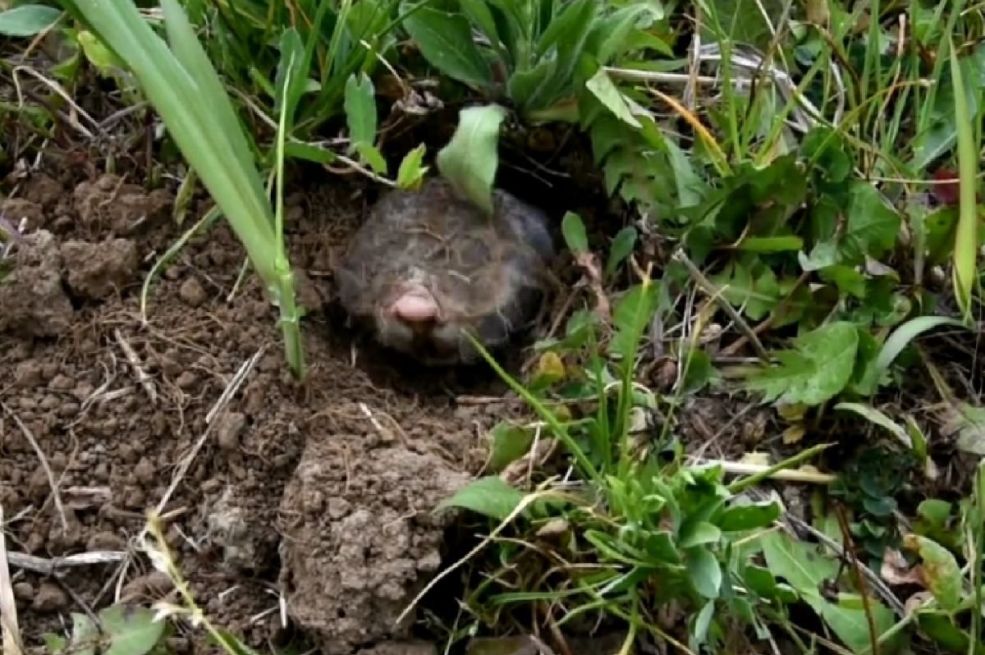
416	306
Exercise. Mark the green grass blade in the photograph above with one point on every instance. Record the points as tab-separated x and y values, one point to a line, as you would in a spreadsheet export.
966	236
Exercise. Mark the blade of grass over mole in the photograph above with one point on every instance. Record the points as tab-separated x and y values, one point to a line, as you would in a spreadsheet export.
966	235
545	414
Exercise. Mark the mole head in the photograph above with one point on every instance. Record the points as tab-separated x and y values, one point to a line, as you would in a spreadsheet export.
427	270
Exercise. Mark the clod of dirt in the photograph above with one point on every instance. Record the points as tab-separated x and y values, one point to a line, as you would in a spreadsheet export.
360	538
246	546
16	210
32	299
49	598
427	267
95	270
109	202
192	293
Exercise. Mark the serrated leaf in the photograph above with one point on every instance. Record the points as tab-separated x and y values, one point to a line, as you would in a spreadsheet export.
445	40
603	88
573	230
360	109
131	630
27	20
489	496
470	159
871	225
411	171
818	369
631	316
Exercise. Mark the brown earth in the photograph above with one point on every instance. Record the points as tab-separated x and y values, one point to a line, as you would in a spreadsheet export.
311	503
117	408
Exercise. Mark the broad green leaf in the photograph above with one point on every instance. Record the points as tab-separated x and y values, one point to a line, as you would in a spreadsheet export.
605	90
411	172
771	244
748	517
871	225
573	230
445	40
851	623
705	571
621	248
610	36
27	20
797	562
939	626
489	496
940	570
360	109
479	13
818	369
509	443
131	630
470	159
699	534
757	293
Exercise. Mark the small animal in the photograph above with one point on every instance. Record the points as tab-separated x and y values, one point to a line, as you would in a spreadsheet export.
427	265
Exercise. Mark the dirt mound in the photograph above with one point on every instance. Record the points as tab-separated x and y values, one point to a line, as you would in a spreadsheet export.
33	301
128	416
359	536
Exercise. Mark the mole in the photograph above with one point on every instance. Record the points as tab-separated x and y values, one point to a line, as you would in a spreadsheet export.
427	266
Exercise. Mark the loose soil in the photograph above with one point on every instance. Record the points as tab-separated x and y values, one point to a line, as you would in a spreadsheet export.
321	494
294	511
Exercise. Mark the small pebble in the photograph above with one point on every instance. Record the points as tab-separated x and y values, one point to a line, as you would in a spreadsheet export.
144	471
105	541
186	380
191	292
230	427
23	590
61	383
50	598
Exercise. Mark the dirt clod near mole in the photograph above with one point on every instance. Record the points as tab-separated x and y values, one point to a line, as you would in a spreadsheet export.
360	537
94	270
33	301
